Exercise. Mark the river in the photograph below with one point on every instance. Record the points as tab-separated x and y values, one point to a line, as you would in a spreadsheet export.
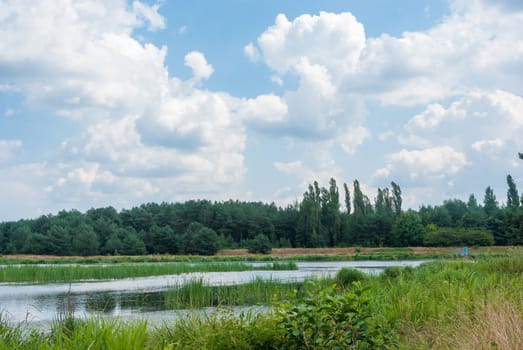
40	304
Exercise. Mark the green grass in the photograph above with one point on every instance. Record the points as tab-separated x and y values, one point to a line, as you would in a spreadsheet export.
66	273
198	294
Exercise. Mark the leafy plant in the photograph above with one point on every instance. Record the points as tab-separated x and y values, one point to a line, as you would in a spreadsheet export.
323	319
346	276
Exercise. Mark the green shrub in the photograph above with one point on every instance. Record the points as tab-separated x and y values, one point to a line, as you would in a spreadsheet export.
450	236
200	240
324	319
260	244
346	276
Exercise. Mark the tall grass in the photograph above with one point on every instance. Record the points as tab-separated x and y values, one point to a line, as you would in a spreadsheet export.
68	273
198	294
430	302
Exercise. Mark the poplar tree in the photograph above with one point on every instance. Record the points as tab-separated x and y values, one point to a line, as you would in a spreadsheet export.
358	201
347	198
490	204
512	193
396	197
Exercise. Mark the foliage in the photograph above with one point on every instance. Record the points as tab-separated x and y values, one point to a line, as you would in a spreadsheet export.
407	230
200	240
449	236
315	221
346	276
324	319
260	244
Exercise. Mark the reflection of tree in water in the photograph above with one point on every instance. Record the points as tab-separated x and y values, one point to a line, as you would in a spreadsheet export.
146	301
103	302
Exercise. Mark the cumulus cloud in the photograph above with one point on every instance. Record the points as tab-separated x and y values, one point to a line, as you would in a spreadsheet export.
150	14
424	166
330	40
475	41
145	132
81	59
264	110
477	120
141	128
319	49
471	140
200	68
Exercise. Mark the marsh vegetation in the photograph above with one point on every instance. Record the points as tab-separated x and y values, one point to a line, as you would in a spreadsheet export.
461	304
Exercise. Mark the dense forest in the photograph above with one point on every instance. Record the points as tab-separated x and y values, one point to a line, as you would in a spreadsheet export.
321	219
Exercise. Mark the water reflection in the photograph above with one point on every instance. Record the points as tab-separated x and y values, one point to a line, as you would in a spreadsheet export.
144	297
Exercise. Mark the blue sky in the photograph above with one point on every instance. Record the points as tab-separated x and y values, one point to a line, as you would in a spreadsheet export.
125	102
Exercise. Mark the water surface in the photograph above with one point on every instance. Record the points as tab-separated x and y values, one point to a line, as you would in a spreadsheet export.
140	298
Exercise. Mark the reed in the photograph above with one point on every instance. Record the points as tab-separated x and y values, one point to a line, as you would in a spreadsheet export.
69	273
198	294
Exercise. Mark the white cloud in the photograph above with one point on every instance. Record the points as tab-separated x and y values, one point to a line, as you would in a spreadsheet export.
474	121
142	130
146	133
330	40
150	14
200	68
264	110
8	149
353	138
252	52
479	44
80	59
24	185
425	165
487	145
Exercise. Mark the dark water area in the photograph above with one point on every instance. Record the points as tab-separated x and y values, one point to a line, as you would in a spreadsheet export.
144	298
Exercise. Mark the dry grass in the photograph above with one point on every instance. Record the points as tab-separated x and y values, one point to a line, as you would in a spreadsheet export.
285	252
497	325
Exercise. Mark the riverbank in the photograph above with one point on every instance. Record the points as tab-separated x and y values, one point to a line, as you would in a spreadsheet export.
277	254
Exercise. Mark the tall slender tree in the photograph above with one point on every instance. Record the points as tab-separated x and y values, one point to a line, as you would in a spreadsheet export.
347	198
490	204
396	197
512	193
358	200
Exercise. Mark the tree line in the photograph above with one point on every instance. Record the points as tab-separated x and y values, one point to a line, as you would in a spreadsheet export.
323	218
